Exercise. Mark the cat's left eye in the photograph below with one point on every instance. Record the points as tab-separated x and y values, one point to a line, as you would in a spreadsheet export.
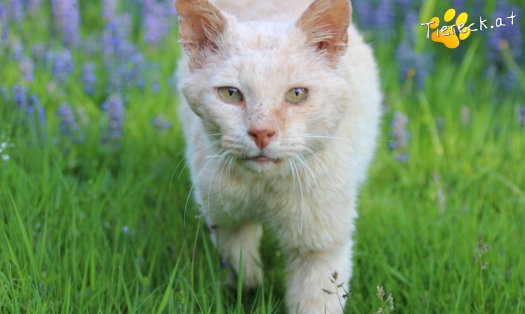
230	94
296	95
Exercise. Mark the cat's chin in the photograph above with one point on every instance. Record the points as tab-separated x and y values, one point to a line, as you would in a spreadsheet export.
263	164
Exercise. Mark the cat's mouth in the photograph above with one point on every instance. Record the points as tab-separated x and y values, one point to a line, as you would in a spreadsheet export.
262	159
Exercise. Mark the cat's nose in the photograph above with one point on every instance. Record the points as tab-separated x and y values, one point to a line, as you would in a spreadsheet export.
261	137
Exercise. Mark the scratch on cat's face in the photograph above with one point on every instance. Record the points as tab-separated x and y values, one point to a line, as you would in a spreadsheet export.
260	126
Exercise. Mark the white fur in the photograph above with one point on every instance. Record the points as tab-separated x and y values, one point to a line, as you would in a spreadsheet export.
310	203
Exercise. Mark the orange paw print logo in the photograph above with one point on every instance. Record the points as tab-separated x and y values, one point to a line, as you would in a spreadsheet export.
450	35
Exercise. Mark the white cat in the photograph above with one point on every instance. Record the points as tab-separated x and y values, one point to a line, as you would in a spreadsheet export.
280	113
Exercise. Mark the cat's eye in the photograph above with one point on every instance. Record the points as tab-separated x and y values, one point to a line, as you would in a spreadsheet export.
296	95
230	94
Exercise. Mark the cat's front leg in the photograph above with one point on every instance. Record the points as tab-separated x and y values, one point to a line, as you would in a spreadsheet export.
242	242
318	280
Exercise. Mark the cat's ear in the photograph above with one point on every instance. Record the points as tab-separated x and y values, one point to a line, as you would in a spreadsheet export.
200	27
325	24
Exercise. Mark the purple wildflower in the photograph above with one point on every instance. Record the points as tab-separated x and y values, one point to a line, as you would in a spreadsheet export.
90	46
365	13
62	64
18	51
67	16
224	263
124	61
400	136
174	82
109	9
172	10
161	123
399	131
115	39
68	122
39	52
138	63
89	78
34	102
128	72
507	37
156	21
33	109
410	22
4	25
16	10
509	81
34	5
116	82
385	17
403	5
27	69
20	97
521	115
458	4
41	116
155	86
114	108
413	66
4	32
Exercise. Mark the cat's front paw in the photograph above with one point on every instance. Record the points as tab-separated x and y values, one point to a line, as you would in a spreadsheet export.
252	276
316	306
240	248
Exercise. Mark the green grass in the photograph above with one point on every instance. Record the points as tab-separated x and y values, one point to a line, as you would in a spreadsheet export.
90	227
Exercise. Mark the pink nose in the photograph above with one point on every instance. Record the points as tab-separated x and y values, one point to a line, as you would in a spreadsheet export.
261	137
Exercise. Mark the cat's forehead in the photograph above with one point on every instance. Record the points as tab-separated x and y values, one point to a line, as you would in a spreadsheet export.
263	56
262	36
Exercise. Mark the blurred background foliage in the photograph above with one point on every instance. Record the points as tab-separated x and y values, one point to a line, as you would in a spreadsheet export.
94	206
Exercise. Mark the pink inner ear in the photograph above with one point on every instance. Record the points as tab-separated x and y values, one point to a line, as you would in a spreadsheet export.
323	45
200	26
325	23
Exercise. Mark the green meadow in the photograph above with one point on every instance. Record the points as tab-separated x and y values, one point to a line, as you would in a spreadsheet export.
96	214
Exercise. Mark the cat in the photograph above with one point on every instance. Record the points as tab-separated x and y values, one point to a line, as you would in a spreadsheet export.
280	108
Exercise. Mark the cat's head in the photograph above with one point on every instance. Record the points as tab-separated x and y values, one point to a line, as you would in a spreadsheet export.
268	93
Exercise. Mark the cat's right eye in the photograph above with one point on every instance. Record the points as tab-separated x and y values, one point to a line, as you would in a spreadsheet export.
296	95
230	94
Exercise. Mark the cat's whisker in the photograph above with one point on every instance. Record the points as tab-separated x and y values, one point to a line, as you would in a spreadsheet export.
232	145
293	174
302	194
215	134
307	168
186	164
322	163
292	168
325	137
224	168
307	135
195	181
230	165
219	156
313	153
